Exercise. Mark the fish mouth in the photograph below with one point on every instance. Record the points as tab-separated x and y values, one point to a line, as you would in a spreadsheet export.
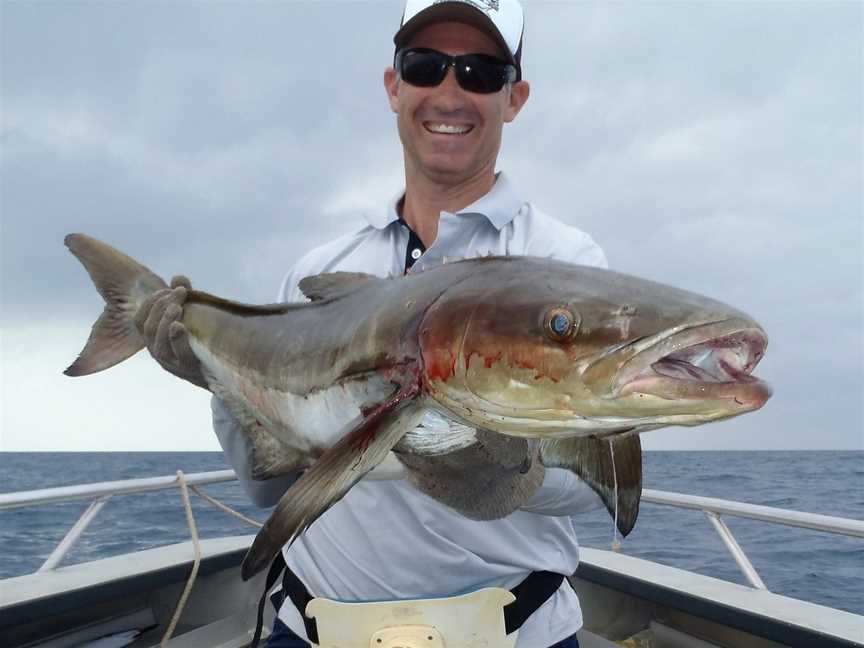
709	361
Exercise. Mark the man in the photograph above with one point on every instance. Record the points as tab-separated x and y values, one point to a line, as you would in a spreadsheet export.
456	80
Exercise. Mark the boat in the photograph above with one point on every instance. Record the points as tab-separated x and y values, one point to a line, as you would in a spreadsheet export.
190	594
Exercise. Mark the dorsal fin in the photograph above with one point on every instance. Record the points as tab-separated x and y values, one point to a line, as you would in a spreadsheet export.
330	285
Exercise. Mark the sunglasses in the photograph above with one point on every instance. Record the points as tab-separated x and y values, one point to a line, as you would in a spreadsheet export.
474	72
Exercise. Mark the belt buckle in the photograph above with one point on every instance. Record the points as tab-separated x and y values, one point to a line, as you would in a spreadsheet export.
409	636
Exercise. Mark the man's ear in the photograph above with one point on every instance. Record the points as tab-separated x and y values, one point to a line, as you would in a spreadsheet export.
391	85
519	92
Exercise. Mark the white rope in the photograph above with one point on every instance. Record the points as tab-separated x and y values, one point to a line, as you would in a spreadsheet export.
223	507
193	530
616	544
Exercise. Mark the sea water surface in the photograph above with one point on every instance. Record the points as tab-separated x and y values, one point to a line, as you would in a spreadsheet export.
809	565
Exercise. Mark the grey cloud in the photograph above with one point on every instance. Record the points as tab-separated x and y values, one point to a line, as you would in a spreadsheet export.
715	146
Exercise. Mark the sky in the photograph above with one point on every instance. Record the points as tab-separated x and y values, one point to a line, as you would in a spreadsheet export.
715	146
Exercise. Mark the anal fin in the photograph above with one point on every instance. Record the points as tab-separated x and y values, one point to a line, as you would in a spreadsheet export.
364	445
609	466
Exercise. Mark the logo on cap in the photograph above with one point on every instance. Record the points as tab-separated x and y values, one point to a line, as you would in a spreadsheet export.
482	5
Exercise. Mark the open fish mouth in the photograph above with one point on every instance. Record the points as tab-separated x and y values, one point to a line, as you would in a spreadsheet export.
703	363
727	359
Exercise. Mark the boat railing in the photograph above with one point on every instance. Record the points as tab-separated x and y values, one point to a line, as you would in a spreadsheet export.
101	492
714	509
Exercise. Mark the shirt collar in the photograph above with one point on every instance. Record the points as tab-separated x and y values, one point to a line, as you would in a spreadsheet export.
499	206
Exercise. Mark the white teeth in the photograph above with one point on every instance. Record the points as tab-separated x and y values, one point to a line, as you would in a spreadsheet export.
450	129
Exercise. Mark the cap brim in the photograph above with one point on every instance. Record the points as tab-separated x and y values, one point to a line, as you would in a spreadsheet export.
456	12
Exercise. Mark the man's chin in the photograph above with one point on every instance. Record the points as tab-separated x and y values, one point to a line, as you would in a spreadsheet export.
446	168
448	176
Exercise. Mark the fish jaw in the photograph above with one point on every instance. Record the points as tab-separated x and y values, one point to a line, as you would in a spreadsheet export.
711	363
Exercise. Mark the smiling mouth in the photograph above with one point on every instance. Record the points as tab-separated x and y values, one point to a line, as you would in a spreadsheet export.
439	128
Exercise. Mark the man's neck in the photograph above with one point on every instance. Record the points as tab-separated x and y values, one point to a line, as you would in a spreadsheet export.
425	200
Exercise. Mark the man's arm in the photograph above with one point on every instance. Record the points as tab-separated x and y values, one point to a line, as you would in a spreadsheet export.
562	493
238	453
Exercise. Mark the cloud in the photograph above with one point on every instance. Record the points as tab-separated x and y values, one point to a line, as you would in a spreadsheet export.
717	147
134	407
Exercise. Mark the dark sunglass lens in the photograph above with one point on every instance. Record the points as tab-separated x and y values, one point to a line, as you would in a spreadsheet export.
423	68
483	74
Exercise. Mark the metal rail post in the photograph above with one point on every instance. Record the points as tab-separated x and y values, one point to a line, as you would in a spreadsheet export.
737	552
74	533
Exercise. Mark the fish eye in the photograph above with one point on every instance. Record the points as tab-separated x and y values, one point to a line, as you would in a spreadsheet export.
561	324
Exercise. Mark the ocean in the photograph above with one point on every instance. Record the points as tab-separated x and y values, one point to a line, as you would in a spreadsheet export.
809	565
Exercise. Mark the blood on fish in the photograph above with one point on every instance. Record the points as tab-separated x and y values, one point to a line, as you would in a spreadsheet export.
439	355
489	361
538	374
440	365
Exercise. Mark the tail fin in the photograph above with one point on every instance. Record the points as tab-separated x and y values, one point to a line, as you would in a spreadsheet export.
124	284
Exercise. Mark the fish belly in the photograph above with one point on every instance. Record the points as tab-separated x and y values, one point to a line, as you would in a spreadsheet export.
305	423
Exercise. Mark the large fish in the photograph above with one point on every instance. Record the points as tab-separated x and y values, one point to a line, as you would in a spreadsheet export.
543	363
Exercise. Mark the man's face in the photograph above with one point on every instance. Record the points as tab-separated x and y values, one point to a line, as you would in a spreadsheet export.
428	117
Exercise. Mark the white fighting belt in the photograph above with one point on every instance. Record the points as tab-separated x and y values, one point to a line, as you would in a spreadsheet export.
471	620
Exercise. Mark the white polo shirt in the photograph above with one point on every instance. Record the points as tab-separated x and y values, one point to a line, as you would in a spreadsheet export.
385	540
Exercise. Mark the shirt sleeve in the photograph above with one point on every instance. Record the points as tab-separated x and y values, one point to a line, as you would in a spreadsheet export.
544	236
238	453
234	441
562	493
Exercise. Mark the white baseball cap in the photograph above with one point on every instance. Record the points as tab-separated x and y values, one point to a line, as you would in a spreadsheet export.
502	20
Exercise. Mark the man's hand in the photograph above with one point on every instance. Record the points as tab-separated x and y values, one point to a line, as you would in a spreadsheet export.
158	321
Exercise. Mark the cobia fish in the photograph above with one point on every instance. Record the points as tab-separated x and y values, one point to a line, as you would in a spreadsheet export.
544	363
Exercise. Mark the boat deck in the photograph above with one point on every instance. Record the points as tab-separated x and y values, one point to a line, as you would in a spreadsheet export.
626	601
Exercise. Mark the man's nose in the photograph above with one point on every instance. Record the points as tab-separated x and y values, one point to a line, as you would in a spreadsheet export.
449	94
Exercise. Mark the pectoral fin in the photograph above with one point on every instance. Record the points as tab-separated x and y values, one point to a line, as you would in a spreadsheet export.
363	446
592	460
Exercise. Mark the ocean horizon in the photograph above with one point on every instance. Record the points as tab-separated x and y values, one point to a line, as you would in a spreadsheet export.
804	564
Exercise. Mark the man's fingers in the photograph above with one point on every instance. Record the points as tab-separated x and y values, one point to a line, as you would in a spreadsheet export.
152	313
144	309
162	348
159	321
186	358
181	280
179	338
179	294
165	299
